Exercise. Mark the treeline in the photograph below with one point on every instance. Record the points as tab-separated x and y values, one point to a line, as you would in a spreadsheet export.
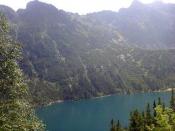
160	118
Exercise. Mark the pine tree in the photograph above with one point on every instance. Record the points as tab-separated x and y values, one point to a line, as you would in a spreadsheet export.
143	114
159	101
172	104
163	106
112	125
154	106
136	121
118	126
148	117
16	113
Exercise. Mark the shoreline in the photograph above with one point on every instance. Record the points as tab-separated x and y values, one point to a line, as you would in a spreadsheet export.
61	101
164	90
54	102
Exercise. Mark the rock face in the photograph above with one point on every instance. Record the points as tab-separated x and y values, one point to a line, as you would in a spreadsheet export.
149	26
68	56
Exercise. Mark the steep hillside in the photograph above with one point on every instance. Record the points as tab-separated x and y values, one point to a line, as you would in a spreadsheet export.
149	26
68	56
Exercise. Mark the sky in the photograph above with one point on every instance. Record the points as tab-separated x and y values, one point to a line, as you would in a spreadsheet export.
80	6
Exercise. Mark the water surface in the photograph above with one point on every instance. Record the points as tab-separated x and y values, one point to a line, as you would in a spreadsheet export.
95	114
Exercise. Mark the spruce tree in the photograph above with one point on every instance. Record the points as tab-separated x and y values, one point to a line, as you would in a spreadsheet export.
16	114
136	121
159	101
172	104
112	125
163	106
154	106
148	117
118	126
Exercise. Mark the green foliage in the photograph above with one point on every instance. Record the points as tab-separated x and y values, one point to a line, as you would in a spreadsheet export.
136	121
116	127
15	111
159	101
163	119
154	106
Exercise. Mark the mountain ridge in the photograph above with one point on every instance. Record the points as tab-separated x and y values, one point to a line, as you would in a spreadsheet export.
68	56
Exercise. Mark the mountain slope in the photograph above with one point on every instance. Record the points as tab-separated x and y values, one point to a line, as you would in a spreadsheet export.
68	56
149	26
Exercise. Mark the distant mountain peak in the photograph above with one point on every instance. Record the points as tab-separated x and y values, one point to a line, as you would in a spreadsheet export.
42	9
9	12
37	5
158	3
136	3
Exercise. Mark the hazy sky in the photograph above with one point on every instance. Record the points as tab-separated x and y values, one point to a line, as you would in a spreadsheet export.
80	6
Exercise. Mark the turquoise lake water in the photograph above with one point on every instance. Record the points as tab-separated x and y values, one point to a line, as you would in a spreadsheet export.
95	114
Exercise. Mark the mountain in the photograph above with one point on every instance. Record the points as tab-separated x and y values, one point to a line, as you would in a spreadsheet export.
150	26
68	56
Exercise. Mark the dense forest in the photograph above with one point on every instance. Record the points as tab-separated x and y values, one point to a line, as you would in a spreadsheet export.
156	117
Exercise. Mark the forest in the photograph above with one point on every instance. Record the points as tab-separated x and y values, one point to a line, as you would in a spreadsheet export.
156	117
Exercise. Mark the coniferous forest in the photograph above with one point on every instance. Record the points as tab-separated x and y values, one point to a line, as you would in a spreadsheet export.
156	117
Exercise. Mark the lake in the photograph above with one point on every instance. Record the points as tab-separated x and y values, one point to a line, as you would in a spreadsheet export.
95	114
